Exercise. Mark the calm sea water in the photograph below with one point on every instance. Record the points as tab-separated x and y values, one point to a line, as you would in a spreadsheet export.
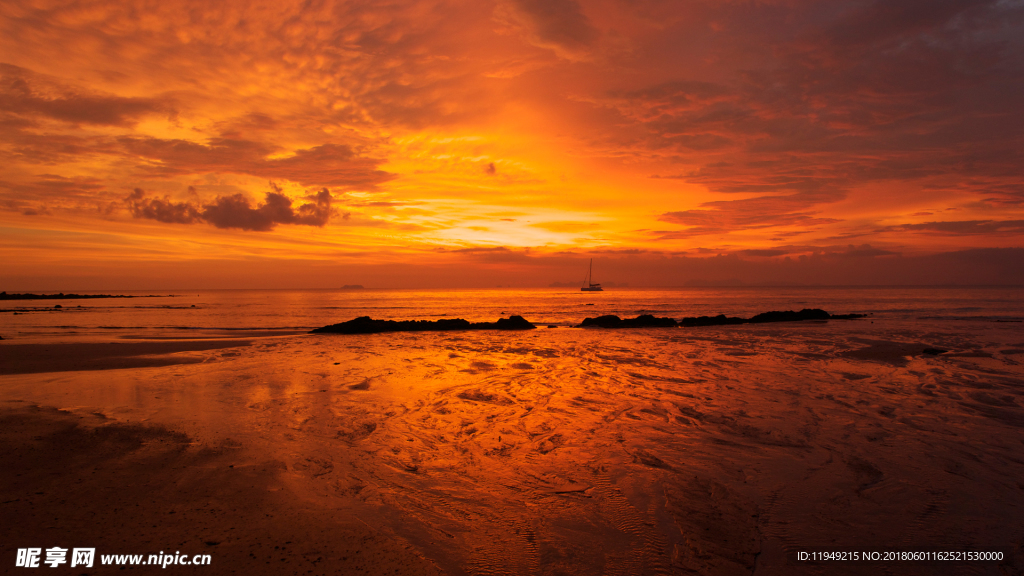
217	311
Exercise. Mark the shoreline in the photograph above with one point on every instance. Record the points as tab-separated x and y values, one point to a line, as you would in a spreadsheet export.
63	296
64	357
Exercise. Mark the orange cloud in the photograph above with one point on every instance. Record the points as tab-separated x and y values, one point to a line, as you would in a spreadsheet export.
25	94
637	128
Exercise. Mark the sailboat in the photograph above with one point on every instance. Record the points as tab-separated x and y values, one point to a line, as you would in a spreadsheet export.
588	284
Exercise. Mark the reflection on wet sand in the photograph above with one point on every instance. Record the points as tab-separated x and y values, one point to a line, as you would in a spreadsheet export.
708	451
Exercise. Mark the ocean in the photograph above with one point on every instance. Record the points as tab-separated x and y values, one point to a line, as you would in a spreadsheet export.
561	450
212	312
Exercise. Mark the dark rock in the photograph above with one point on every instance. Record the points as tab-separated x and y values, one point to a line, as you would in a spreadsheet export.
513	323
642	321
791	316
58	306
63	296
367	325
609	321
765	317
720	320
649	321
934	351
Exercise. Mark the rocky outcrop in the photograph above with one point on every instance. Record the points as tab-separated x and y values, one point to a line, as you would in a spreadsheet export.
649	321
791	316
63	296
367	325
642	321
720	320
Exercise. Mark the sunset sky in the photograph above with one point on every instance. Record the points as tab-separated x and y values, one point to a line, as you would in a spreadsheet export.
176	144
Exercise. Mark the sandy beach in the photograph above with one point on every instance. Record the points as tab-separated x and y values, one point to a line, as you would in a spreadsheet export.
575	451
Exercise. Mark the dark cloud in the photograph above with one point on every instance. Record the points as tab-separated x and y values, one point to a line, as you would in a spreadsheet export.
161	209
954	228
24	145
315	213
881	22
962	228
557	24
725	216
863	251
476	250
52	192
763	253
834	252
324	165
491	169
234	211
617	251
560	22
25	94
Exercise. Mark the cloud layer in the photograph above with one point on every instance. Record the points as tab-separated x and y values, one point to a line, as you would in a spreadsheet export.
412	128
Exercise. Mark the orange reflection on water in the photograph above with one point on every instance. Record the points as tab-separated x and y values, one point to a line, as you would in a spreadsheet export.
595	451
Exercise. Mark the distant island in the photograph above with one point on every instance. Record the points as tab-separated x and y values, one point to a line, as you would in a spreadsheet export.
63	296
352	287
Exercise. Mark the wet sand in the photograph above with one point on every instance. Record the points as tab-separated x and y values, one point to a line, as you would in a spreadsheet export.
85	481
558	451
73	356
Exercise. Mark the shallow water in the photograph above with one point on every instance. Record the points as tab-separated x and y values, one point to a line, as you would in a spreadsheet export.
577	451
227	312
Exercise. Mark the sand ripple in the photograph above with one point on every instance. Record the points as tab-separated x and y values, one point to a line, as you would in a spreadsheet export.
678	451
